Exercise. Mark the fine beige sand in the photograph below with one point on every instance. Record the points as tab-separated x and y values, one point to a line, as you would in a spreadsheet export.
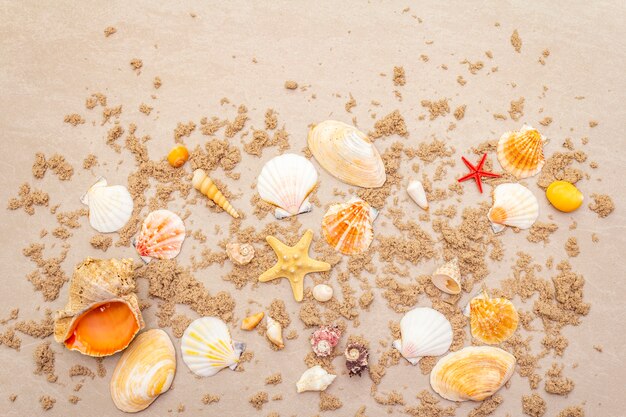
53	55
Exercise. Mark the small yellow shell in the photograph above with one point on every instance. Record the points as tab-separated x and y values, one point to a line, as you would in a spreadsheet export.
564	196
252	321
492	320
178	156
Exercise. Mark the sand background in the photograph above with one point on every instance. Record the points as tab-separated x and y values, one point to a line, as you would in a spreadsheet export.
52	56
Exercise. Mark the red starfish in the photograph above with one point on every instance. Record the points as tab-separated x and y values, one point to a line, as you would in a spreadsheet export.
476	172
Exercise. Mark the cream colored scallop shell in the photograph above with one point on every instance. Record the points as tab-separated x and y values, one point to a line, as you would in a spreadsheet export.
513	205
145	371
110	206
286	182
347	154
472	373
425	332
207	347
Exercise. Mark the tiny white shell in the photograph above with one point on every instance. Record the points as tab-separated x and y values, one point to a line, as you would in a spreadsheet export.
417	193
315	379
425	332
322	292
110	207
274	332
286	182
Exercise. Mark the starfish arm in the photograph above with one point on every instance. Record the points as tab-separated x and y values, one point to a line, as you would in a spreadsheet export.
489	174
471	175
468	164
479	183
314	265
271	274
306	239
297	287
277	245
481	163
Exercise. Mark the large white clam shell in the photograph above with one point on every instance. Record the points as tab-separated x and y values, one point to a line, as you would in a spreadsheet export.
425	332
145	370
347	154
315	379
513	205
110	206
207	347
286	182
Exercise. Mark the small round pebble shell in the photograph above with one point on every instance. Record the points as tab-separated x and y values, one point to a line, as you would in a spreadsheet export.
322	292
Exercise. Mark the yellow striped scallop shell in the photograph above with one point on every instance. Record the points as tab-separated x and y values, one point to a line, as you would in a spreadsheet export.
472	373
207	347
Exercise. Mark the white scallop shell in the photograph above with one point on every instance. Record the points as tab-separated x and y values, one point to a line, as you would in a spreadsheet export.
417	193
513	205
286	182
425	332
207	348
110	207
347	154
315	379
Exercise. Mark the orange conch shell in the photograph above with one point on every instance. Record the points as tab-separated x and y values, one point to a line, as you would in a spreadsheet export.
348	228
521	153
161	236
492	320
102	314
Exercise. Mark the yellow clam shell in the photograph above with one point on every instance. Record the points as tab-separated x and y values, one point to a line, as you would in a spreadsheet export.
472	373
145	371
564	196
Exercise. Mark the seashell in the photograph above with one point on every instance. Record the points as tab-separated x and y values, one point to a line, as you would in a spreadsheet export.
286	182
348	227
240	254
274	332
206	186
472	373
425	332
492	320
324	339
102	314
178	156
252	321
564	196
448	277
466	309
145	371
161	236
110	206
322	292
417	193
207	347
357	357
315	379
513	205
347	154
521	153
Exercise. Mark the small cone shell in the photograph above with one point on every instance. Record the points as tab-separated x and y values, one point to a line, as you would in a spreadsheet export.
145	371
417	193
275	332
252	321
448	277
102	314
472	373
206	186
492	320
521	153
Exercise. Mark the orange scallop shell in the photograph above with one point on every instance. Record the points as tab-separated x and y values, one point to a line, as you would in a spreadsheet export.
521	153
492	320
348	228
